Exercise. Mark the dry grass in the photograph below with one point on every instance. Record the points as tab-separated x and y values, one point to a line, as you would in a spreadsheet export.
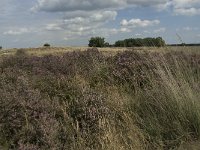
41	51
136	99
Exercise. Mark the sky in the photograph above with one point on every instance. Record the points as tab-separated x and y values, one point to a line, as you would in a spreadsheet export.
31	23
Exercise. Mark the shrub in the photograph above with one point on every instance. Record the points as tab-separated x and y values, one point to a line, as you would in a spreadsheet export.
46	45
20	52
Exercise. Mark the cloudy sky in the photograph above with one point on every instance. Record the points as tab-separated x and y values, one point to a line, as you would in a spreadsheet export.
31	23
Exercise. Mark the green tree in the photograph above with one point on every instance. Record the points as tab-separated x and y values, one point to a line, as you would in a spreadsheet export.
159	42
120	44
106	44
96	42
139	42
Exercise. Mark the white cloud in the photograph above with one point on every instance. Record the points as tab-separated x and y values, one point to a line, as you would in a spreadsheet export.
187	11
160	30
18	31
138	34
72	5
164	6
88	5
187	28
125	30
185	3
146	2
53	27
138	23
88	18
85	23
186	7
80	8
105	32
147	32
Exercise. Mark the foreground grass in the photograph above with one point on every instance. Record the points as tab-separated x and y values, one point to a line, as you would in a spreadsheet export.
87	100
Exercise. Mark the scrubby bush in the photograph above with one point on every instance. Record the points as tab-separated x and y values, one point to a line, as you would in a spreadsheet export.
1	47
20	52
46	45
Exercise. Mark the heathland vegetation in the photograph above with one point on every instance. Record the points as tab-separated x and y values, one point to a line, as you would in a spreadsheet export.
88	100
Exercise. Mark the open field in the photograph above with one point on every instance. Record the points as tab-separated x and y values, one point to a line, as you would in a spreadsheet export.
106	99
41	51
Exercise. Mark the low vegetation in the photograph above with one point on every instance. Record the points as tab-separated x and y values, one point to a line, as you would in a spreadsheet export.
86	100
46	45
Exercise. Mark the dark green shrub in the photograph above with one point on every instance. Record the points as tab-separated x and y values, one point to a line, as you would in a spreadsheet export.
46	45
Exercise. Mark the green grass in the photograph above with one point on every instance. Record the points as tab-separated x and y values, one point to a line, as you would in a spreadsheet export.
136	99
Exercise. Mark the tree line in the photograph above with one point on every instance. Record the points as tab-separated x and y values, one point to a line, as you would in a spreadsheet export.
131	42
185	44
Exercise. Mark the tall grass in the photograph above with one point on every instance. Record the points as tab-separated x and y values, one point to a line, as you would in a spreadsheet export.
86	100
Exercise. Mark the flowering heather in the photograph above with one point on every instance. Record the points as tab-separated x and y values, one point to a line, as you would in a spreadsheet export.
87	100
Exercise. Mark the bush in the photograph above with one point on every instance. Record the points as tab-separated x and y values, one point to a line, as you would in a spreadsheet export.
1	47
20	52
46	45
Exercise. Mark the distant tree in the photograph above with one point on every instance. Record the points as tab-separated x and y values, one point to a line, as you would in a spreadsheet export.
46	45
160	42
96	42
149	42
1	47
106	44
183	44
120	44
139	42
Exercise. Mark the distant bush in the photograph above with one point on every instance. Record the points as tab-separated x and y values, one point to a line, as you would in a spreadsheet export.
46	45
106	44
1	47
20	52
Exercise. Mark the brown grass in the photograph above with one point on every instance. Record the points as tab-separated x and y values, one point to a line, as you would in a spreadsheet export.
94	99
